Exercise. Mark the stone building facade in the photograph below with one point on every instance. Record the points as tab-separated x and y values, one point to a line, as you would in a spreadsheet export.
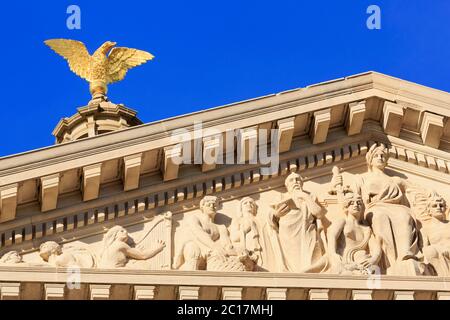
354	209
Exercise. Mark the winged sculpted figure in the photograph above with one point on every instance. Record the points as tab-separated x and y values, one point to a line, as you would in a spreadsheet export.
108	64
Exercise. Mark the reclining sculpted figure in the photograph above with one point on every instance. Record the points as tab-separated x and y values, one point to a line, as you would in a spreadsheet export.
54	254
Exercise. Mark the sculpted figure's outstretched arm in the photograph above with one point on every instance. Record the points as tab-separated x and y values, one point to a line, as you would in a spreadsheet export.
275	214
138	254
317	211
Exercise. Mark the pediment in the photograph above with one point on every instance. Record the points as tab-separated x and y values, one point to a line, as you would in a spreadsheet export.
83	235
74	193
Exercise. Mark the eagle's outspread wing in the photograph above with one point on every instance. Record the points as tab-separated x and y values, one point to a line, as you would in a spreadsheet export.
76	55
122	59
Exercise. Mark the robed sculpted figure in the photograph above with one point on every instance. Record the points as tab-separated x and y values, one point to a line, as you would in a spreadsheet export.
257	233
386	209
298	220
351	246
244	230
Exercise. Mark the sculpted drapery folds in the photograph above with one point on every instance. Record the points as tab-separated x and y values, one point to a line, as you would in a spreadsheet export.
353	239
351	247
257	234
299	220
386	210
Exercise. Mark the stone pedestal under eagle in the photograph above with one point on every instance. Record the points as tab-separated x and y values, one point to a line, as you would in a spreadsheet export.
101	68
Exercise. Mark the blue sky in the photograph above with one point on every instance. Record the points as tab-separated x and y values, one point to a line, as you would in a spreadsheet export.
208	53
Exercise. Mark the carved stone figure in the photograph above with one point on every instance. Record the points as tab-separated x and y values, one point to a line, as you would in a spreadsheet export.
298	221
117	252
257	235
430	211
386	210
52	253
11	257
207	245
351	247
244	232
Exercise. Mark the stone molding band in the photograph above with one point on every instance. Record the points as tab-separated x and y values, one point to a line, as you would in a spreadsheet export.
51	282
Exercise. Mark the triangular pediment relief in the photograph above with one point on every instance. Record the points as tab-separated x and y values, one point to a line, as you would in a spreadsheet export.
74	193
85	243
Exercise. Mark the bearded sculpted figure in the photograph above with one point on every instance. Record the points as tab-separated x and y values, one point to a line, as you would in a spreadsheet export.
117	252
430	211
206	245
387	213
298	221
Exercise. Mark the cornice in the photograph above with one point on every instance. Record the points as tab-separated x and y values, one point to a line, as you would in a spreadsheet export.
222	279
374	104
246	113
187	191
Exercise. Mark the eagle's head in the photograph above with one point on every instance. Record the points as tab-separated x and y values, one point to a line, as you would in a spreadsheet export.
107	46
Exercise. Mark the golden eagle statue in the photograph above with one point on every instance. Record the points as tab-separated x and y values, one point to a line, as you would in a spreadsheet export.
101	68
